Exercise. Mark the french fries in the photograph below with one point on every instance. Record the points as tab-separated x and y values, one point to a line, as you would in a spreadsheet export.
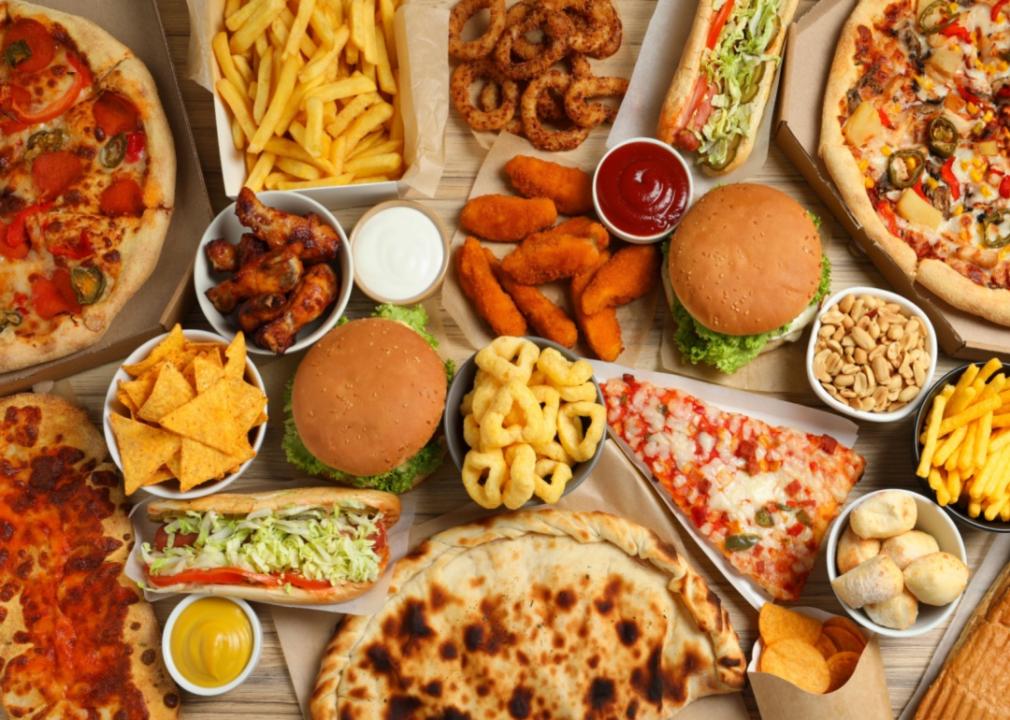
311	88
966	443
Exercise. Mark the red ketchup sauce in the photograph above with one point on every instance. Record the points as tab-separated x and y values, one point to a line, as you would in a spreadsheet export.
642	189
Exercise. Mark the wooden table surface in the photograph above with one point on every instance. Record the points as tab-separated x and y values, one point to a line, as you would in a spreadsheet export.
268	693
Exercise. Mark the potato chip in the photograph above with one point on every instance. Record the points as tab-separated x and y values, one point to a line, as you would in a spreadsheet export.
236	357
845	640
201	463
166	347
210	418
142	450
170	391
826	645
841	666
778	623
798	662
206	372
844	622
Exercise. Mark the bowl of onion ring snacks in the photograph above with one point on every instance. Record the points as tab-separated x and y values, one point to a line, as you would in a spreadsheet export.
524	421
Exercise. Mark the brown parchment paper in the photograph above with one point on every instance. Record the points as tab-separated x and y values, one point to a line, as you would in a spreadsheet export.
636	318
422	80
304	635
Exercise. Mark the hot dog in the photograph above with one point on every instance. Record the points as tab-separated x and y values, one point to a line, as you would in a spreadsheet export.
719	91
307	546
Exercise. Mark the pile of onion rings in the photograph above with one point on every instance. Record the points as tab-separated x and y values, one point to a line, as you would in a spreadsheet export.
529	81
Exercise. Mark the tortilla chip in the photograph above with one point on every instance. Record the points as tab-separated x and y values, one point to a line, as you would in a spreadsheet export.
798	662
160	475
236	357
208	418
142	450
201	463
826	645
845	640
247	404
166	347
841	666
140	388
123	397
206	372
778	623
170	391
174	463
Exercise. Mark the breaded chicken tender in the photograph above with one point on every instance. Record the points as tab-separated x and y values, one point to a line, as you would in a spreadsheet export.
547	319
583	227
504	218
629	274
492	303
570	188
546	257
602	331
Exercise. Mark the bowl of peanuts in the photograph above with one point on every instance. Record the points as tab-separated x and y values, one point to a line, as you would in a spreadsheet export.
871	354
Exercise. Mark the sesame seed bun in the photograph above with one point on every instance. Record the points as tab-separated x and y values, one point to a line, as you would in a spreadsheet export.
746	259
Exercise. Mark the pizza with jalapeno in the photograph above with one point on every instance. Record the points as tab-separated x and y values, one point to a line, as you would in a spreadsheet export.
87	182
762	495
77	640
916	135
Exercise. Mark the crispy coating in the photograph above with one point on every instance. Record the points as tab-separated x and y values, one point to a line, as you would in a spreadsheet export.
504	218
570	188
482	46
585	228
628	275
495	118
590	114
541	137
485	293
556	26
602	331
545	257
547	319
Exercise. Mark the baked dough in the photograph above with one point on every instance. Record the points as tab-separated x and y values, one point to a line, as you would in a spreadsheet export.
936	579
884	515
853	550
899	613
876	580
905	548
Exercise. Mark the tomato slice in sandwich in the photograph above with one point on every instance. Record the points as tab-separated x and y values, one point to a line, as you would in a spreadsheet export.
236	576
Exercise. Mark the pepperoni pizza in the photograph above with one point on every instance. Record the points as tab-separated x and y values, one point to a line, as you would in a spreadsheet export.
87	182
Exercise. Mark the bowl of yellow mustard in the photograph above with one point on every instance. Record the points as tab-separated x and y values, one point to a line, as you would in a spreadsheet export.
211	644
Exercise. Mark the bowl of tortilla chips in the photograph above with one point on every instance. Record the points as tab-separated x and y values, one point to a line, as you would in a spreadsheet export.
185	414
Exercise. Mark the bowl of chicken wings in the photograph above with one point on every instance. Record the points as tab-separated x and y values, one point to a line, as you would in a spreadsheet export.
277	266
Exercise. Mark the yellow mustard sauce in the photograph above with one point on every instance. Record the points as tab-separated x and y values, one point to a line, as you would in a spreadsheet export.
212	641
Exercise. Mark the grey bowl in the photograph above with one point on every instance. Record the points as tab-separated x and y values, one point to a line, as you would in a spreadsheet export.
452	421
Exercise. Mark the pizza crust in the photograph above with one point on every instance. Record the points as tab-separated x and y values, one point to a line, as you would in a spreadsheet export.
953	287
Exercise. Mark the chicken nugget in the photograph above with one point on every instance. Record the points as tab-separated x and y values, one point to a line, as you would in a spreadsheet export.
584	227
504	218
601	330
628	275
570	188
489	300
548	320
545	257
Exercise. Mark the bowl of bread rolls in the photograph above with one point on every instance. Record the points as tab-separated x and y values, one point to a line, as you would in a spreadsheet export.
897	563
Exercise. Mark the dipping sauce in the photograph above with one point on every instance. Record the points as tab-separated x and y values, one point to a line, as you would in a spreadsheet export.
398	254
642	189
212	641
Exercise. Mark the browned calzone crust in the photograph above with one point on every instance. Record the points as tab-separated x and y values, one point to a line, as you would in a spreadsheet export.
534	614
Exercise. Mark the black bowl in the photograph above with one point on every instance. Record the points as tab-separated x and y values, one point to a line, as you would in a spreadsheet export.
921	416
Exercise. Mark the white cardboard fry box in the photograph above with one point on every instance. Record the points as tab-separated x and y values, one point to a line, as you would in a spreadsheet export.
810	50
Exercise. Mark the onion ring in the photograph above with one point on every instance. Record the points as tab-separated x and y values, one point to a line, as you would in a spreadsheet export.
557	27
590	114
463	77
490	99
604	25
482	46
536	133
523	47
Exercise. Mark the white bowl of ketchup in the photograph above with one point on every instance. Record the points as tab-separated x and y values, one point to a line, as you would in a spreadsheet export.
641	189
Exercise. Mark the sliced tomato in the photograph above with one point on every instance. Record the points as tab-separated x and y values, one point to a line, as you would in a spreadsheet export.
115	114
215	576
39	43
54	295
122	197
304	583
947	173
715	29
54	172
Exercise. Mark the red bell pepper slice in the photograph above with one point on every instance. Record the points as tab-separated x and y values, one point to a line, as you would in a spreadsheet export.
884	119
994	13
135	144
1004	187
947	173
887	212
15	235
958	31
54	295
76	251
715	30
919	191
968	95
82	78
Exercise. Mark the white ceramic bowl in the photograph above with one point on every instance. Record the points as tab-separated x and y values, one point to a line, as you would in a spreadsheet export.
642	239
932	520
254	658
876	417
226	225
113	405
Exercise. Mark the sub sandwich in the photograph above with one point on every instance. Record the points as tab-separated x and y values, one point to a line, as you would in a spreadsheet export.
719	91
307	546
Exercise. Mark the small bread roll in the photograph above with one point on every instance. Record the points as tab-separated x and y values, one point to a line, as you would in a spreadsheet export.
876	580
900	612
909	546
885	515
937	578
853	550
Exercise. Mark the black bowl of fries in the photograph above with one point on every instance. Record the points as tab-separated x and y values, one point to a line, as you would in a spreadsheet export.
962	444
491	429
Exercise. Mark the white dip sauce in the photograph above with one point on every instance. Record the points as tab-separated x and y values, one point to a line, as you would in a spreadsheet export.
398	253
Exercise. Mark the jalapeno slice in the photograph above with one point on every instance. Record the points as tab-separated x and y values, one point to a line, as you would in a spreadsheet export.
991	237
904	168
113	152
764	518
88	284
17	52
47	140
9	318
751	91
942	136
742	541
727	155
936	16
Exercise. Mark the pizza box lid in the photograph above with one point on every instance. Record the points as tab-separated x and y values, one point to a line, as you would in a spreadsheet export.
810	50
162	300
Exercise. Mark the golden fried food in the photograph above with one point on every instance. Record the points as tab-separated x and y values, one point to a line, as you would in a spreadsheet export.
628	275
570	188
590	114
501	113
602	331
601	27
546	257
540	136
557	29
490	301
504	218
481	46
586	228
547	319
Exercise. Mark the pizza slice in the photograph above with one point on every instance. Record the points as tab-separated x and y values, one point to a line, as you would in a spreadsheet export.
763	495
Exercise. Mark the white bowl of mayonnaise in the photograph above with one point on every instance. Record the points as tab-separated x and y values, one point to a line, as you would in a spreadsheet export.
401	252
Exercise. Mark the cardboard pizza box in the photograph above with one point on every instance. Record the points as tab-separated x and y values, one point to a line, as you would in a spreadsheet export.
162	300
810	50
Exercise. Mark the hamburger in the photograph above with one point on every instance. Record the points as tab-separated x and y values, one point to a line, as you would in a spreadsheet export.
365	404
744	274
